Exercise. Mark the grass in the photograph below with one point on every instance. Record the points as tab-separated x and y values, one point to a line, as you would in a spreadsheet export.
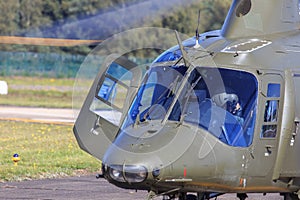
37	98
38	92
23	80
46	151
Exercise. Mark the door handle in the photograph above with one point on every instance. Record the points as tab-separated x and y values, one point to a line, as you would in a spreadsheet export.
268	151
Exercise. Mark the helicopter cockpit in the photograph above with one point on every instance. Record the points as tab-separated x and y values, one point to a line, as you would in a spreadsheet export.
214	99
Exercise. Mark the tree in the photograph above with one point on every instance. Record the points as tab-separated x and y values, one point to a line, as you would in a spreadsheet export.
8	17
52	18
212	16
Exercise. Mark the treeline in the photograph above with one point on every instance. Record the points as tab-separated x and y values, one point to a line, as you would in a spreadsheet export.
212	16
18	16
45	18
93	19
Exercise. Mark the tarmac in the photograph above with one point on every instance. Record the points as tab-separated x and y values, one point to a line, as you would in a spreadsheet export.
72	188
42	115
87	188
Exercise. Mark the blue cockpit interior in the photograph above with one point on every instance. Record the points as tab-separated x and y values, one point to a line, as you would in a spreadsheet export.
215	99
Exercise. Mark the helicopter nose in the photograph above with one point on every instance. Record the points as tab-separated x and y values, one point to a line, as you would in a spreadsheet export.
143	155
126	173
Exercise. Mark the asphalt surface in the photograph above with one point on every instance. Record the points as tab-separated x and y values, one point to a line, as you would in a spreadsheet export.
73	188
87	188
43	115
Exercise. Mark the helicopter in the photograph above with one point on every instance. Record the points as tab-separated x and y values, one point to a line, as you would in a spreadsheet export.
217	113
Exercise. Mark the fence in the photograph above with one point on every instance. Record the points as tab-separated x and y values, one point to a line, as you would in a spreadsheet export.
47	64
39	64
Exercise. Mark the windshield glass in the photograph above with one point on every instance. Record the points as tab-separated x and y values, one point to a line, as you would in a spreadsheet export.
156	94
226	108
214	99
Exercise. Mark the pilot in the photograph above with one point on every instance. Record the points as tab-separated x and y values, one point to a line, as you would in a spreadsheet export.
235	108
231	103
223	99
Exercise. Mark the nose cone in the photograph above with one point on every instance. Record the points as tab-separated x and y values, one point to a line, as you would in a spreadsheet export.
140	154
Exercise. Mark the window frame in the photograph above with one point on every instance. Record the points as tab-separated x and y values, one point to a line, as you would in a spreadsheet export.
272	96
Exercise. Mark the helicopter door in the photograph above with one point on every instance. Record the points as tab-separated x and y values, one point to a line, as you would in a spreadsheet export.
264	147
102	112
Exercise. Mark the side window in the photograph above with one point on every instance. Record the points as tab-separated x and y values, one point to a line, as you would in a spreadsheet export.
113	92
273	90
271	111
110	97
228	114
269	127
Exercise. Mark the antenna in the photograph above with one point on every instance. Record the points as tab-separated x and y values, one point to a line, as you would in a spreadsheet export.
197	32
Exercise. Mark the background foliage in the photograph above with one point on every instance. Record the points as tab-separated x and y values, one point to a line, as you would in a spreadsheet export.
20	17
70	19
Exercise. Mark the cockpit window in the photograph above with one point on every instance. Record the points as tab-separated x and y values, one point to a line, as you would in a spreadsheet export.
225	108
221	104
156	94
169	56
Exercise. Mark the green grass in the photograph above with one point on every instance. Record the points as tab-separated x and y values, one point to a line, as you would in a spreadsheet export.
23	80
38	92
37	98
46	151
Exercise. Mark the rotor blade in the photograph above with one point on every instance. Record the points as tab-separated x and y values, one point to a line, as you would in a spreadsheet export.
183	52
46	41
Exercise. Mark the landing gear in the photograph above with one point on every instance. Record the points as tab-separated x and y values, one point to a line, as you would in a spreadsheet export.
191	197
199	196
291	196
242	196
184	196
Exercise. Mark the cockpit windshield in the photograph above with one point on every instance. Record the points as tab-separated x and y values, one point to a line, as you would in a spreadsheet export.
156	94
214	99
